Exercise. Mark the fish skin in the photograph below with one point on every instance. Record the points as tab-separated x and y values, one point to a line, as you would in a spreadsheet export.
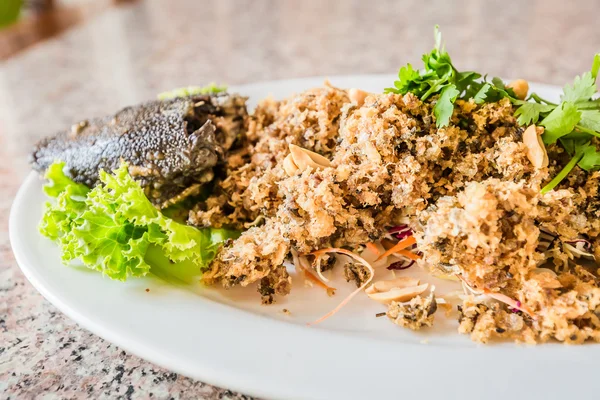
168	144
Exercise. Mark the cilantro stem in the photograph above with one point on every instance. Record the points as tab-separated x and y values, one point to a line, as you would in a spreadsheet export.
589	105
586	130
562	174
540	100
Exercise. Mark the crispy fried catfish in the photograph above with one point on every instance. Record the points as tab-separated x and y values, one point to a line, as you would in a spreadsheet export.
171	146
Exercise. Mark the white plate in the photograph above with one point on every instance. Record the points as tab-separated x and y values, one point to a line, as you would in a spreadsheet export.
230	340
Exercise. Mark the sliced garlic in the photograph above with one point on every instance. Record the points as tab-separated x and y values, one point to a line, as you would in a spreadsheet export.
299	159
398	283
398	294
536	150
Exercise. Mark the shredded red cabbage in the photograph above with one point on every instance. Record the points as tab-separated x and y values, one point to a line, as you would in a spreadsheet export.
516	310
399	265
401	231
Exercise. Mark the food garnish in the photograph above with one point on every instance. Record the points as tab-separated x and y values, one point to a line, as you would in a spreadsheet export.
211	88
301	263
355	292
440	77
401	245
113	228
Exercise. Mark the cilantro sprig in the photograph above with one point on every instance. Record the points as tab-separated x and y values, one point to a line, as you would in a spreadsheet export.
440	77
573	123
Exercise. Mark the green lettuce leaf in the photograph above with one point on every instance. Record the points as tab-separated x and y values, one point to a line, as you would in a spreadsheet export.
116	230
211	88
58	181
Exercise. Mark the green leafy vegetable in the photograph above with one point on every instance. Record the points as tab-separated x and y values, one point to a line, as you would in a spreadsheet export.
58	182
561	121
590	159
590	119
582	89
114	229
574	122
445	105
529	113
211	88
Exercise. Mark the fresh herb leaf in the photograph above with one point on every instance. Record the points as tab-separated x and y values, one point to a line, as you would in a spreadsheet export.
561	121
482	93
582	89
590	119
590	159
440	77
406	76
444	107
114	229
529	113
575	135
571	142
464	80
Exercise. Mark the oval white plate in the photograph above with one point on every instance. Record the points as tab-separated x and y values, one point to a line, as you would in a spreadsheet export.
230	340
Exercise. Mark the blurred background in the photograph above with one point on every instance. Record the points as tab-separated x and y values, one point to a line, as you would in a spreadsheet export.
65	60
68	59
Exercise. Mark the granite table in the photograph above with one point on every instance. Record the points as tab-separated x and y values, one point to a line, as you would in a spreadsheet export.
130	52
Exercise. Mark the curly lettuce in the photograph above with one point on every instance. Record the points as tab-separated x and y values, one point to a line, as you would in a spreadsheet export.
113	228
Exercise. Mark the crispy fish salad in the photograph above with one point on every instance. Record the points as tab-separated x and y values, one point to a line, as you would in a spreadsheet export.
471	179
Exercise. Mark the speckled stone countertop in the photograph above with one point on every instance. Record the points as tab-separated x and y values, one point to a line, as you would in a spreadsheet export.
130	53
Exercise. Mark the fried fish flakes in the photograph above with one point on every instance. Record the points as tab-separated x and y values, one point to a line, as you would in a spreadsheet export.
469	190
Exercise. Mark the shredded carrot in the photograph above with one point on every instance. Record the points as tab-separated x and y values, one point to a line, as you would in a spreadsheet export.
310	276
401	245
371	246
409	254
387	244
351	295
